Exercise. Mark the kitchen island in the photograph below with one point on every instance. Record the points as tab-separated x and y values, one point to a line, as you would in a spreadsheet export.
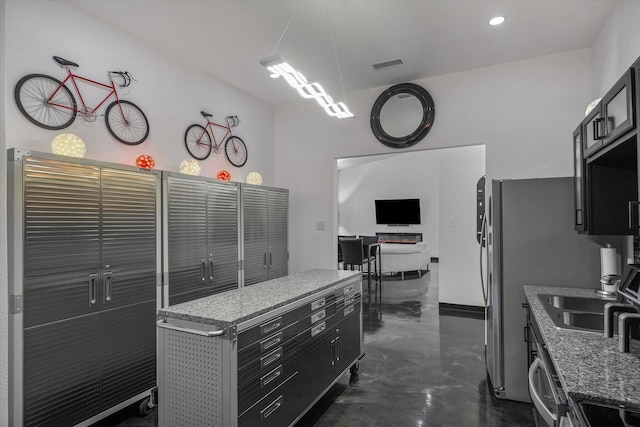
590	367
258	355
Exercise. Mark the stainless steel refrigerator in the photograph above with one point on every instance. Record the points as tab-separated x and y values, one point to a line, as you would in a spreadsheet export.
530	239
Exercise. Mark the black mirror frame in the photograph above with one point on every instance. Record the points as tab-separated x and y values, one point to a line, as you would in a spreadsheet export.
428	115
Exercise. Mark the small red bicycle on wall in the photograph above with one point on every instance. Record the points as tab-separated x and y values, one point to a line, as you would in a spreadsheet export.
198	138
47	102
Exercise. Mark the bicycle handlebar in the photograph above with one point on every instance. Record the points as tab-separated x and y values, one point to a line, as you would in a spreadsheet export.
126	77
232	121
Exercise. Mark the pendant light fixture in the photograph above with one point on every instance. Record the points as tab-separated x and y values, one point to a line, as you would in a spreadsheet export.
280	68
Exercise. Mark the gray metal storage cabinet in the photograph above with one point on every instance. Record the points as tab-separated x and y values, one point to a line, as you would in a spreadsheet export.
83	283
201	244
265	233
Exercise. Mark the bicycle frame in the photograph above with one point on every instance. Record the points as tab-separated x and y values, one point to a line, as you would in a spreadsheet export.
73	77
210	126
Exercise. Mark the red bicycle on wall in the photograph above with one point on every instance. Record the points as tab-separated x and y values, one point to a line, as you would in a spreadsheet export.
198	138
47	102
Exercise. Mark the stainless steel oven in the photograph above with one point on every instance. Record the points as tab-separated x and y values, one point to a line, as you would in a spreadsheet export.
550	405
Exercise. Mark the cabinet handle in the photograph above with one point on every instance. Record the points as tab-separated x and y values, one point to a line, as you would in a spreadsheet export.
318	316
92	288
317	329
203	271
264	261
597	127
338	349
266	379
268	343
271	408
270	358
349	310
317	304
270	326
270	259
211	271
350	300
214	333
333	360
633	214
107	284
348	289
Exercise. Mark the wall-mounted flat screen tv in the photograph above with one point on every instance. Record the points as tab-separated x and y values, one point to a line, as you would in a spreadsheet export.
398	211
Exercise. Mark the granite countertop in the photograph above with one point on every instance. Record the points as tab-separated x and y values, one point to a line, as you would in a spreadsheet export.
590	366
232	307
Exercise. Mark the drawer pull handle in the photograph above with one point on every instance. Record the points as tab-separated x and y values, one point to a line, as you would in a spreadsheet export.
317	329
271	408
271	326
317	304
349	310
265	380
348	289
318	316
267	344
270	358
350	300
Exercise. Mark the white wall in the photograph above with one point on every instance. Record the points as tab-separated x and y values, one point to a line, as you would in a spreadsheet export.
459	273
403	176
170	93
617	46
523	112
4	309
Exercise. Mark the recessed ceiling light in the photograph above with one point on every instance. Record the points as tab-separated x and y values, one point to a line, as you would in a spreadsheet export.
497	20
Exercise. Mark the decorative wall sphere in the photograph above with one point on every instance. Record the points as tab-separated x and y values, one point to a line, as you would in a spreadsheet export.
254	178
145	161
190	167
68	144
224	175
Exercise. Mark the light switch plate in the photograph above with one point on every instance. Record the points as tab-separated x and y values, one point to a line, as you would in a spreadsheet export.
320	225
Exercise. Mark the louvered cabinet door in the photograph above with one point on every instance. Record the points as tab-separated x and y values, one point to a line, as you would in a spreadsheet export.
62	371
129	233
255	213
187	239
128	352
61	240
222	236
278	233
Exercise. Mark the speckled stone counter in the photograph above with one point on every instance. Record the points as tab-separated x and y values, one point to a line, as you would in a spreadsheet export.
233	307
589	365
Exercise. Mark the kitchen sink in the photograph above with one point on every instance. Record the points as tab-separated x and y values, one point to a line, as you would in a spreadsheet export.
591	305
576	313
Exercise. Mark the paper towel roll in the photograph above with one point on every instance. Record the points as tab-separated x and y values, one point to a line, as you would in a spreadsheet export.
608	261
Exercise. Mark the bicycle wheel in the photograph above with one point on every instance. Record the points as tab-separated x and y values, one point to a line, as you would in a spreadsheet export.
32	96
198	142
129	126
235	151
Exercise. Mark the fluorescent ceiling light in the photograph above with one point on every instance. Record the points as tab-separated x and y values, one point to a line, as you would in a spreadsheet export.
496	20
314	90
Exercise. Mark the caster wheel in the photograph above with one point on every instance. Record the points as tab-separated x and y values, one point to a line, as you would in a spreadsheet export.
354	368
144	408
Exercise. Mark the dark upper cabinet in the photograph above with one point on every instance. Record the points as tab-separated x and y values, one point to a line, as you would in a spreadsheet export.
613	117
579	188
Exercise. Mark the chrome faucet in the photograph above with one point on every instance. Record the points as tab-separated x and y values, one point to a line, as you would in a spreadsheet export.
625	323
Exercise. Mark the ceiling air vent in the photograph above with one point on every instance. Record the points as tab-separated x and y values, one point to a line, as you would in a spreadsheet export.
388	64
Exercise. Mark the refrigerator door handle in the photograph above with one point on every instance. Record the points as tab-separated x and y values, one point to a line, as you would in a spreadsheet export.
483	231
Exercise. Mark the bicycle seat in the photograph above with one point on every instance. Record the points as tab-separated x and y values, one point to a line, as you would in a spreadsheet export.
205	114
63	61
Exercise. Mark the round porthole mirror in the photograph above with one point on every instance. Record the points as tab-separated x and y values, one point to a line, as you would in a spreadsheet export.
402	115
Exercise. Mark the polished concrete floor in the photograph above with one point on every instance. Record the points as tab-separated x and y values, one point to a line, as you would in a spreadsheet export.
420	369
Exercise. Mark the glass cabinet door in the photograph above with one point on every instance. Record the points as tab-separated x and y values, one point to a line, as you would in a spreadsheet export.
617	107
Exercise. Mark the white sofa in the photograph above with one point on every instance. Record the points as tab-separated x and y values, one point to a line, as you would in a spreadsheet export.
401	257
